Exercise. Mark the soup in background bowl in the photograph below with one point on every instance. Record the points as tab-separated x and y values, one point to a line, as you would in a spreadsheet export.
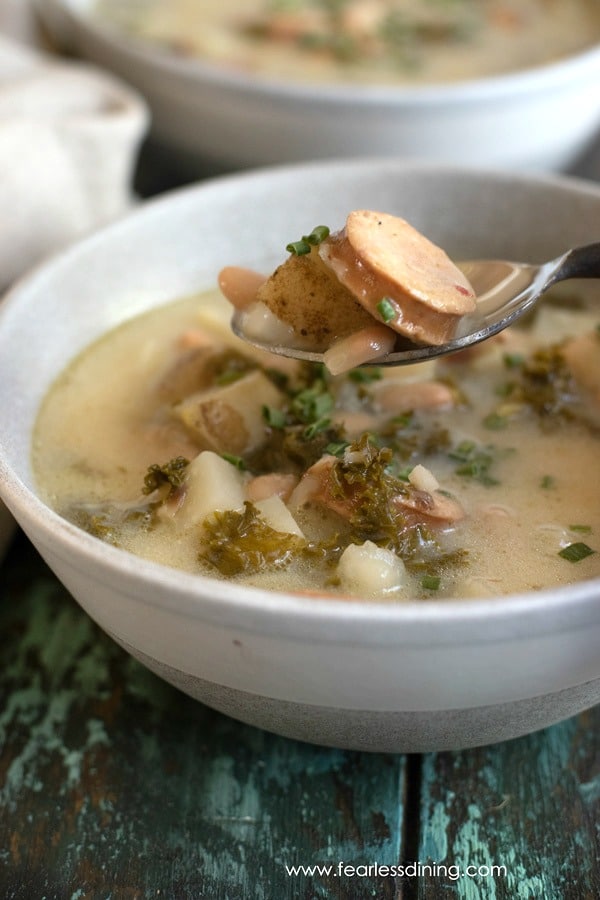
409	674
472	83
362	41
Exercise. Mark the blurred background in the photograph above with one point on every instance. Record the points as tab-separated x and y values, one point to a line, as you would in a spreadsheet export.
229	85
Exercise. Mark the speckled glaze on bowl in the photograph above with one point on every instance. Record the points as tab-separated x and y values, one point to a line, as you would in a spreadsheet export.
406	677
217	119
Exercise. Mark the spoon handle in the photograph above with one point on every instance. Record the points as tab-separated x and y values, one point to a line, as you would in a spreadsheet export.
580	262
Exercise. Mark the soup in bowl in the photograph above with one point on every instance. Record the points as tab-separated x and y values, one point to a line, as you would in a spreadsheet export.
232	84
439	589
362	41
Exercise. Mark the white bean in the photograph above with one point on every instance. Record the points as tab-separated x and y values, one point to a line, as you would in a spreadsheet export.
364	346
240	285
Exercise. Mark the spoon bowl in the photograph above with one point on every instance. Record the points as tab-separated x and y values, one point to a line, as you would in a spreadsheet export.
505	290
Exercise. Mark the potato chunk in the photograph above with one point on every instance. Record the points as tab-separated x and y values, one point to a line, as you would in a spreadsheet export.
305	293
277	515
211	484
230	418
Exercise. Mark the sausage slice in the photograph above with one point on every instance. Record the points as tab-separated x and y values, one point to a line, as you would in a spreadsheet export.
399	276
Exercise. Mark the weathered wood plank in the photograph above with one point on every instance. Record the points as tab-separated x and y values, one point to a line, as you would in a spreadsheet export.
113	784
531	805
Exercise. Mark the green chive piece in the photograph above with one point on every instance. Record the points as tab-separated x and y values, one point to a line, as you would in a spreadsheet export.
495	422
582	529
431	582
513	360
298	248
548	481
303	246
229	377
317	235
386	310
273	416
403	420
315	427
576	552
337	449
365	375
475	462
236	461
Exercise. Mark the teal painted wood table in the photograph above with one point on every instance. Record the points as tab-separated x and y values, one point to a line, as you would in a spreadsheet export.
115	785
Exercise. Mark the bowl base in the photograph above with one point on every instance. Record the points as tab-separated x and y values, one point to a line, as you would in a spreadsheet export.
381	731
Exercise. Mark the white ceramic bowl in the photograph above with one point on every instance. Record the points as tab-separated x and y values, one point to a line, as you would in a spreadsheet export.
218	120
406	677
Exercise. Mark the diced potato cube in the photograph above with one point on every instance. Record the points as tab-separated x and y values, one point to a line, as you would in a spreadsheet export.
277	515
212	484
229	418
305	293
423	479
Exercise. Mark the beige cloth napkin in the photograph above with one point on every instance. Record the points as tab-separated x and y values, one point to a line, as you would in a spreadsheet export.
69	137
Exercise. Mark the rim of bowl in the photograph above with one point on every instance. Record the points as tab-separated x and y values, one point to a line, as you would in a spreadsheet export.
539	78
199	595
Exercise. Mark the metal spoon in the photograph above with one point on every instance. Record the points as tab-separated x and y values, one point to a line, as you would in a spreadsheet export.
505	290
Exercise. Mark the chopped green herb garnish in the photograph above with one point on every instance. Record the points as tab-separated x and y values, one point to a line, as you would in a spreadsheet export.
576	552
336	448
474	462
312	404
228	377
226	366
308	404
495	421
236	461
403	420
431	582
273	416
315	427
303	246
386	310
298	248
513	360
547	481
365	375
318	235
582	529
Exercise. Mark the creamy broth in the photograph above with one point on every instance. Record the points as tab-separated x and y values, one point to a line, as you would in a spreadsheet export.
364	41
490	477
